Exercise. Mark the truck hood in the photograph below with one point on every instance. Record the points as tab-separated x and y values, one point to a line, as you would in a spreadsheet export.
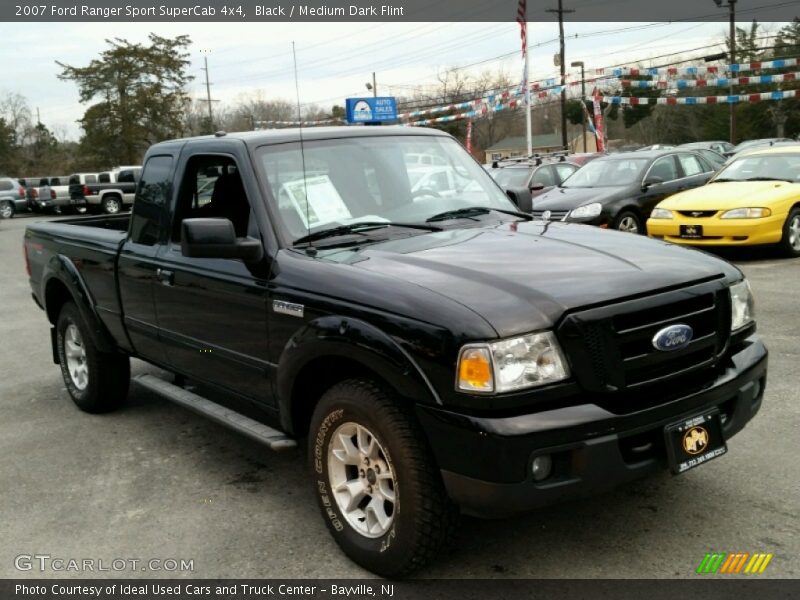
566	198
732	194
523	276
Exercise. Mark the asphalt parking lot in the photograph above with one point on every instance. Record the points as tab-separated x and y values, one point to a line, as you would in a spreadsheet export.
155	481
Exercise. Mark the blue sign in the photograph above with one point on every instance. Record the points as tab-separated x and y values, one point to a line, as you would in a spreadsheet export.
371	110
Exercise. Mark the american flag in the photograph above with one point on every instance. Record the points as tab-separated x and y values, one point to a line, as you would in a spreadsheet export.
523	26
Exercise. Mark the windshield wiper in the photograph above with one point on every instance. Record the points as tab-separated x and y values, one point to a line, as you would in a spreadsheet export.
358	228
723	180
471	211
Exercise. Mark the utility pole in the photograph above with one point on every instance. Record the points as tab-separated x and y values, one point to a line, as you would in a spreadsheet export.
732	59
579	63
374	86
208	91
561	11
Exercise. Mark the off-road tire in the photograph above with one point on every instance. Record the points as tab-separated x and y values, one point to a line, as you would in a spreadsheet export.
785	245
109	374
424	518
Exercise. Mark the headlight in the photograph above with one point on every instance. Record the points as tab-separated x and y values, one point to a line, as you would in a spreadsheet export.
746	213
742	306
661	213
523	362
586	211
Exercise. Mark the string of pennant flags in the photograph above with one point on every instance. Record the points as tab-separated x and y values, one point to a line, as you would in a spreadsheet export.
489	104
663	84
704	70
728	99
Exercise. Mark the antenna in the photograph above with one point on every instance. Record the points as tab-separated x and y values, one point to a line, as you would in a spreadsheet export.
310	249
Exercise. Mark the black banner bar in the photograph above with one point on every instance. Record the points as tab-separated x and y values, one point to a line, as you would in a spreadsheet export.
706	587
232	11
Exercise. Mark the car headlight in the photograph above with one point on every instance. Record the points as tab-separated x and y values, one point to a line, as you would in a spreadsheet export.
514	364
661	213
742	306
746	213
587	210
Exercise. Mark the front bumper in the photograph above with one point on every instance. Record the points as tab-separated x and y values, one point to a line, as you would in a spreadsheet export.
721	232
486	462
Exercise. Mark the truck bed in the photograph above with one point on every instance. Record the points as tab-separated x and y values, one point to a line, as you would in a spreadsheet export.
89	245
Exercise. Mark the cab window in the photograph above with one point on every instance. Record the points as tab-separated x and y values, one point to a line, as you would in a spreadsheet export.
212	188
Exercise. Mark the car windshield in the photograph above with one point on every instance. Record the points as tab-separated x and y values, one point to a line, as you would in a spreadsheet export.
510	177
607	173
753	168
374	180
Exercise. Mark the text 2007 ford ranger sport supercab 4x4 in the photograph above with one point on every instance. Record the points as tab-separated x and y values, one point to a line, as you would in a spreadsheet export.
438	350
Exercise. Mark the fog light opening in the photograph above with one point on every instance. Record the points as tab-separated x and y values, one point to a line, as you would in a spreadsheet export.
542	467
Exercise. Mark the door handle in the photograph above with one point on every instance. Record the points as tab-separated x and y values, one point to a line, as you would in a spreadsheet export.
166	277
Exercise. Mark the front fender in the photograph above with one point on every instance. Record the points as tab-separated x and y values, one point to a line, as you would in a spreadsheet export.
356	340
61	268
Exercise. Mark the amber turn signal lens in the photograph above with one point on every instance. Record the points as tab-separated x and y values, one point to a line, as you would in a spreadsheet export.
475	370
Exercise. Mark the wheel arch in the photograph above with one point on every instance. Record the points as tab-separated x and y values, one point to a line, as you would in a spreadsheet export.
332	349
63	283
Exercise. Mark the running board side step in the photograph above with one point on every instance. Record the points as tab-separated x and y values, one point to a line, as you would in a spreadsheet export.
253	429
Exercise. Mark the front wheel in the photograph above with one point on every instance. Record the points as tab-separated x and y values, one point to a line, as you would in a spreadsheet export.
6	210
628	221
97	381
378	488
790	242
111	205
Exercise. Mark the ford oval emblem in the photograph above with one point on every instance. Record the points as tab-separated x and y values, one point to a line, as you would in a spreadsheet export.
673	337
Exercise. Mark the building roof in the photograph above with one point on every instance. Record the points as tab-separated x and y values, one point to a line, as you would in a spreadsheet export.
520	142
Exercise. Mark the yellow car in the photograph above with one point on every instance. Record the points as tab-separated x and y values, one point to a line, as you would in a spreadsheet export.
753	200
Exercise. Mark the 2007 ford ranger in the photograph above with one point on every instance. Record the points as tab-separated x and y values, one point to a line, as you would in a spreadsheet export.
439	349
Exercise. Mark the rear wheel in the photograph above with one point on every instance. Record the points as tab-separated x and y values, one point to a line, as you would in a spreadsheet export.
790	242
378	487
6	210
112	205
628	221
96	381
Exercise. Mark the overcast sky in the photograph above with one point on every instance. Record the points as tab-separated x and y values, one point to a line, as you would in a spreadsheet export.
335	60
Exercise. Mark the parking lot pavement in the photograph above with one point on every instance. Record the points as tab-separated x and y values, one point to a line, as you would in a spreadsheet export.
155	481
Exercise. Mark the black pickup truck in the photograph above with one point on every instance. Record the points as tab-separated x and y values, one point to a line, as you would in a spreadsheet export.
438	350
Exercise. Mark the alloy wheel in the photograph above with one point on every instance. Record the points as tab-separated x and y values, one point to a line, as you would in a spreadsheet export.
75	352
362	480
794	233
628	224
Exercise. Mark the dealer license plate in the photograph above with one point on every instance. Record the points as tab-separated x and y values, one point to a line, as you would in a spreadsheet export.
691	232
695	441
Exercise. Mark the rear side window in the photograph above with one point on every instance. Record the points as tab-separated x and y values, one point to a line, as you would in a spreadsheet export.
5	185
43	181
102	178
149	217
90	178
125	177
691	165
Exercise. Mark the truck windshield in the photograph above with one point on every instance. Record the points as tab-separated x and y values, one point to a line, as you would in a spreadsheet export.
400	179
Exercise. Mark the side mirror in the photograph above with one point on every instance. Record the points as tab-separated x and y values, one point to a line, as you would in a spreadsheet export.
216	238
537	187
652	180
522	198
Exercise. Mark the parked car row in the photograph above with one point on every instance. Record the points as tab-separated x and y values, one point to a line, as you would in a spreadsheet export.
109	192
689	194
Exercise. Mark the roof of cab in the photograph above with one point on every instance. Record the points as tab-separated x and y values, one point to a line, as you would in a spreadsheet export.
253	139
